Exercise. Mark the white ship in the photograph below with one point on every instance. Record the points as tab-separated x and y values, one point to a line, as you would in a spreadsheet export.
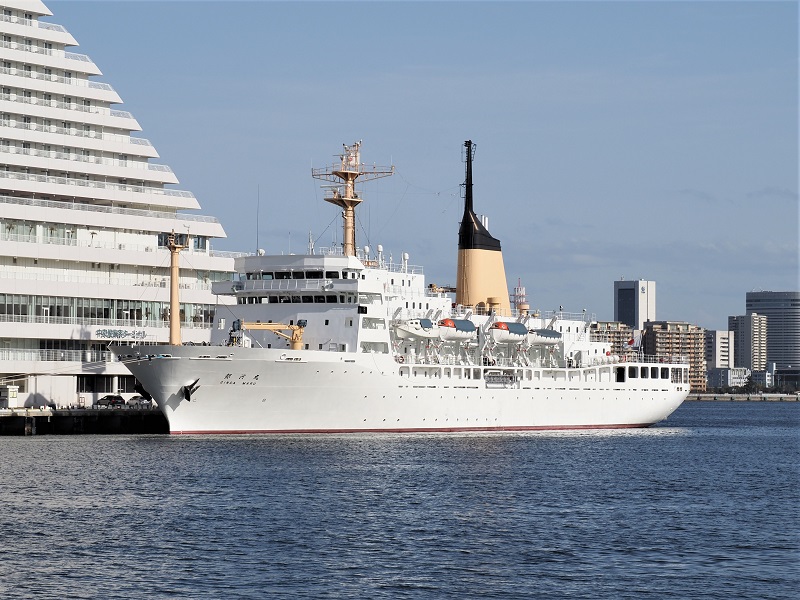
351	341
85	213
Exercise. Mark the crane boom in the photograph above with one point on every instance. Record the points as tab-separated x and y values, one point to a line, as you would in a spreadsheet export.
295	337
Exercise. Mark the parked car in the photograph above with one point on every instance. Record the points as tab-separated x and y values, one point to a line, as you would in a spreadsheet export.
110	400
140	401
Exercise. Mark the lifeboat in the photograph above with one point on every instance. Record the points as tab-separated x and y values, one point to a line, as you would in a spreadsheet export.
456	330
508	333
543	337
423	329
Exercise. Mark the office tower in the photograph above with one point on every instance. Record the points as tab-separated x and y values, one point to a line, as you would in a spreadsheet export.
634	302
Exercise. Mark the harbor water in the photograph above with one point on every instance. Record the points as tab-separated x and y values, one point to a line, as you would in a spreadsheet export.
703	505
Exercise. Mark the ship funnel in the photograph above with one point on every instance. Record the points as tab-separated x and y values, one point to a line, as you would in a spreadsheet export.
481	277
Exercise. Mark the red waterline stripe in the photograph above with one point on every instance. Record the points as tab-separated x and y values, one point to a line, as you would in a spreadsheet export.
410	429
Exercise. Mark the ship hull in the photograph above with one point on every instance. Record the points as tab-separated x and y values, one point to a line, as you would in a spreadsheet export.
248	390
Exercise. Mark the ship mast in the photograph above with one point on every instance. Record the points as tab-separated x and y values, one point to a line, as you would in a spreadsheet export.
174	301
347	171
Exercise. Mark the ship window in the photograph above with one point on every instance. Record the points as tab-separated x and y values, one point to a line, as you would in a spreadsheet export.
283	275
341	298
653	372
296	299
330	299
319	299
664	373
273	299
284	299
331	274
308	299
632	372
314	275
266	276
620	374
327	322
645	372
298	275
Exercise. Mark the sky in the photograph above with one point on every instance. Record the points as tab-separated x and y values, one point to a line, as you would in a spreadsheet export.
635	140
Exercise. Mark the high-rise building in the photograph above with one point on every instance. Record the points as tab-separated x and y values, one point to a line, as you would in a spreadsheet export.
782	312
719	349
677	339
750	349
634	302
84	221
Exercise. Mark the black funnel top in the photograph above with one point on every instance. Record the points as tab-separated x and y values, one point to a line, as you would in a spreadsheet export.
472	235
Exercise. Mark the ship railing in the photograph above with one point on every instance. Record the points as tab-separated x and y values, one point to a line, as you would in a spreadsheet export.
291	285
373	261
558	315
136	212
640	357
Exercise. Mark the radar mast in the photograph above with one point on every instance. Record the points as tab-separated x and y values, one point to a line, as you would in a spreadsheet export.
347	171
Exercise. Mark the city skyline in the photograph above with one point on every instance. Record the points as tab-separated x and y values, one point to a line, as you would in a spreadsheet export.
645	141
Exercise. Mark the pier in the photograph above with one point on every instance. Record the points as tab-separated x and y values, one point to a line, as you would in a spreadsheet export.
743	398
70	421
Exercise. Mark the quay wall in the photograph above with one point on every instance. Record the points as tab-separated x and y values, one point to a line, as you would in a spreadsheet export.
71	421
743	398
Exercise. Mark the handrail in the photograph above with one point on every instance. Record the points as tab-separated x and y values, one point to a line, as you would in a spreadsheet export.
98	160
136	212
89	183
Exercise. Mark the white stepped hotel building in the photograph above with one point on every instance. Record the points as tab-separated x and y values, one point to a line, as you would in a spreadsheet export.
84	218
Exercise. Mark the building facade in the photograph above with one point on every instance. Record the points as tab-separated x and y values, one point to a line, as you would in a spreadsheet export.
723	379
617	335
719	349
84	218
750	333
635	302
673	338
782	312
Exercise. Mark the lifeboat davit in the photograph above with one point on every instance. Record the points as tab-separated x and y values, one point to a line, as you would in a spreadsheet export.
543	337
452	330
508	333
417	329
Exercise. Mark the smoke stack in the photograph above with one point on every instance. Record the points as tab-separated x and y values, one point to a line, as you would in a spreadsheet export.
481	273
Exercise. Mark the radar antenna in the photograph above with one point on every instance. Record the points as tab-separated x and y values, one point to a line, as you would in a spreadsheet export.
348	170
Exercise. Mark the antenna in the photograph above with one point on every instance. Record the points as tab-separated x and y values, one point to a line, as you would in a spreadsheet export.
347	171
258	211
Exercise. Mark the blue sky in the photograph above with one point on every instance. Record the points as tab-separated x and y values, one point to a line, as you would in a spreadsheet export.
644	140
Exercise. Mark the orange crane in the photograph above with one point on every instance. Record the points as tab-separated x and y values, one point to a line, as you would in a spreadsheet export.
295	337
